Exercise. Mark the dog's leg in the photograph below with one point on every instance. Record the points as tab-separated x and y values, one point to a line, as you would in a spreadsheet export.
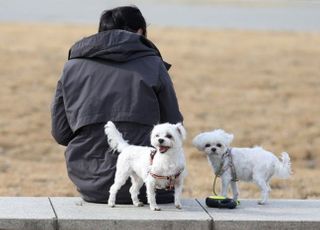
177	193
264	190
151	194
137	183
119	180
225	181
235	191
268	185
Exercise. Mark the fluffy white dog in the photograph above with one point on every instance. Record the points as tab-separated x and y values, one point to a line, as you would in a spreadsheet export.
248	164
160	167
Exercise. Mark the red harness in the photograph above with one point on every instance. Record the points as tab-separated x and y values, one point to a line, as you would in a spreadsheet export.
171	179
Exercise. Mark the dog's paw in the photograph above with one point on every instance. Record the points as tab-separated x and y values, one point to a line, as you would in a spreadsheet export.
138	204
155	208
178	206
111	204
261	202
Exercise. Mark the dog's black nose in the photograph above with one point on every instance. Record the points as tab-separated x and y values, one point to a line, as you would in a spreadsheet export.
213	149
161	141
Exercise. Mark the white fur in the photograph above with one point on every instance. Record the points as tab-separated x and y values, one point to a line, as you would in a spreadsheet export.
251	164
134	162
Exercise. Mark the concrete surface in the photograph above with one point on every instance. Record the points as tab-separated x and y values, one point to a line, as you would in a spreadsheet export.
74	214
26	213
276	214
69	213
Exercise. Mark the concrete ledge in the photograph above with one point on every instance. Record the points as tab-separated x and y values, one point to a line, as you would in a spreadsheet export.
72	213
276	214
28	213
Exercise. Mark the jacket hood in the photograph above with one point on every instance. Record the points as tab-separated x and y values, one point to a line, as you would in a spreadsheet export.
114	45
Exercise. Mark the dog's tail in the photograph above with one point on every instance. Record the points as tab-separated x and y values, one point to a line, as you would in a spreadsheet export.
115	139
283	166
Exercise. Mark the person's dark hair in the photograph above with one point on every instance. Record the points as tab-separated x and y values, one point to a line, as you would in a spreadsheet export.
124	18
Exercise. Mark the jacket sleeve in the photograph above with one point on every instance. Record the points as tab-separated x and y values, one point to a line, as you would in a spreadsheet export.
169	108
60	128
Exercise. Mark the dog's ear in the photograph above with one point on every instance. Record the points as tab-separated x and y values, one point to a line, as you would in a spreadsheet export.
229	138
198	142
181	130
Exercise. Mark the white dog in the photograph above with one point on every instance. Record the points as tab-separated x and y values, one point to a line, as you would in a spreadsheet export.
248	164
160	167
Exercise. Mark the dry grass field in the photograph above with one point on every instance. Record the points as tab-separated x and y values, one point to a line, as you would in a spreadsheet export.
262	86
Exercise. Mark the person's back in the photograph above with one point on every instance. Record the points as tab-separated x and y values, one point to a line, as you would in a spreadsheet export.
116	74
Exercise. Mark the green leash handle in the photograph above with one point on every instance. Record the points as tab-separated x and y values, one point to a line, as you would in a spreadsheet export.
214	185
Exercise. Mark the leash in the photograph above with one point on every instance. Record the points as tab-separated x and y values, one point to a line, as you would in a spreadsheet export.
214	185
222	169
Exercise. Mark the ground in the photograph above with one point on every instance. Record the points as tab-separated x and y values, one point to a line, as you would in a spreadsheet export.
261	86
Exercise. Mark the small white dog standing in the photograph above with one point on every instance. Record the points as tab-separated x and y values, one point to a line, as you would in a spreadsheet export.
248	164
160	167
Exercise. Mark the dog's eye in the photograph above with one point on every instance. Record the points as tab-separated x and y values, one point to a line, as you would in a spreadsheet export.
157	135
169	136
219	145
207	145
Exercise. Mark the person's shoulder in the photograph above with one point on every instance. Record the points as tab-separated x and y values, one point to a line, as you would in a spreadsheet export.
158	63
68	69
154	59
70	63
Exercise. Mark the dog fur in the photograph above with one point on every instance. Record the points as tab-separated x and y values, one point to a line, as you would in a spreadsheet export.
134	162
251	164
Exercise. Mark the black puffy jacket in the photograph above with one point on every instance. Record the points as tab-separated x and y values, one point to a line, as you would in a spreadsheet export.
114	75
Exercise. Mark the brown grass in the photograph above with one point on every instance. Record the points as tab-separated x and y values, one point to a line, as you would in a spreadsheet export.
262	86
